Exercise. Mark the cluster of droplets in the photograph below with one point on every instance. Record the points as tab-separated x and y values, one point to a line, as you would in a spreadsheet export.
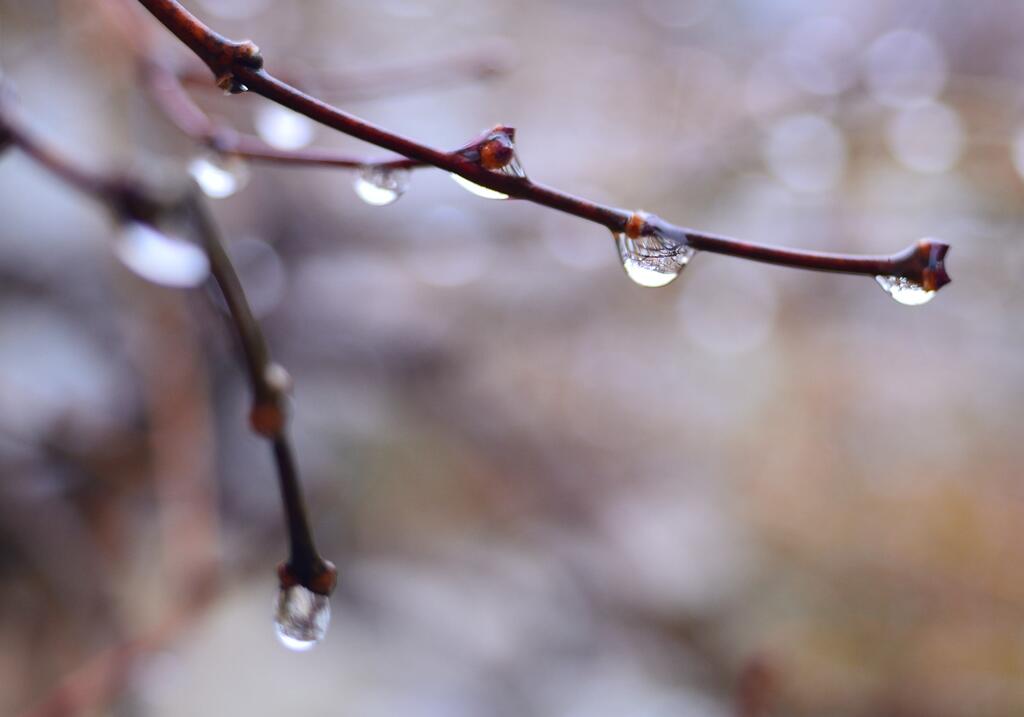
905	291
649	256
380	185
219	175
301	617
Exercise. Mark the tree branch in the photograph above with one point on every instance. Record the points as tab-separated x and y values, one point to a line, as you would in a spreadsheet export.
270	382
239	66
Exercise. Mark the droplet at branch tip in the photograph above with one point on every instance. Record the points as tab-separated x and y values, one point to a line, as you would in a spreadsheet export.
320	576
301	617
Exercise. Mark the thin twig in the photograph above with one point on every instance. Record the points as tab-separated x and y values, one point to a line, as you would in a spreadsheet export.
170	96
239	66
270	382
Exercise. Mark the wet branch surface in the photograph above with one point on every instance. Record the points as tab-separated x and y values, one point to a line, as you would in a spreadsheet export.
238	66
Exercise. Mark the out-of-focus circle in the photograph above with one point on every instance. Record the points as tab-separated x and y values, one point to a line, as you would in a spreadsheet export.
905	68
820	55
1017	152
728	307
926	138
450	249
281	128
806	152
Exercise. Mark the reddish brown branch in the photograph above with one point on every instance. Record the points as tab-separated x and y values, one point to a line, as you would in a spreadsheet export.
922	262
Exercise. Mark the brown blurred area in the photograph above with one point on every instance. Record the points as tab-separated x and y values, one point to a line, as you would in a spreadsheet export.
757	491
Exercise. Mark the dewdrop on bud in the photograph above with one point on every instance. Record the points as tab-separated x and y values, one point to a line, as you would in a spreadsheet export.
497	153
649	257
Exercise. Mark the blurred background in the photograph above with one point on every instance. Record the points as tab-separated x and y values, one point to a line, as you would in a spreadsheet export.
548	491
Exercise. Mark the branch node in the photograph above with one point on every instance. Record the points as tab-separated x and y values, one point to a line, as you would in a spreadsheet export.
248	54
267	417
638	224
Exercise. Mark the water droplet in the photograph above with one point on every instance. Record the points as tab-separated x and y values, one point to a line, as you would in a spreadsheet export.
281	128
219	176
513	168
381	186
161	258
301	617
905	291
652	260
474	188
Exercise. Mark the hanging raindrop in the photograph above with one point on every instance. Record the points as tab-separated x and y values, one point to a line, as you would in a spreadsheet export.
282	128
301	617
904	290
219	176
496	153
161	258
651	259
381	186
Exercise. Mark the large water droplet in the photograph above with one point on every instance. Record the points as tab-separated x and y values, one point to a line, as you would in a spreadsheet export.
219	176
301	617
905	291
381	186
512	169
161	258
474	188
652	260
281	128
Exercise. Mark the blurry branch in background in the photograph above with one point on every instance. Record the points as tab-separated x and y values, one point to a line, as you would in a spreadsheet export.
387	81
143	209
91	686
490	168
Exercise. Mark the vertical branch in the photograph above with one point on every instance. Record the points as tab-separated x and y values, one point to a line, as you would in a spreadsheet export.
270	384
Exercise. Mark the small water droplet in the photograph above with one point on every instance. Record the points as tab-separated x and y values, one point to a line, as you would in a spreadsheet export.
652	260
282	128
161	258
381	186
219	176
301	617
904	290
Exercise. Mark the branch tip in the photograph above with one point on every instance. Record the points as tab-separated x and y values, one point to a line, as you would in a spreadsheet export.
930	254
319	576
